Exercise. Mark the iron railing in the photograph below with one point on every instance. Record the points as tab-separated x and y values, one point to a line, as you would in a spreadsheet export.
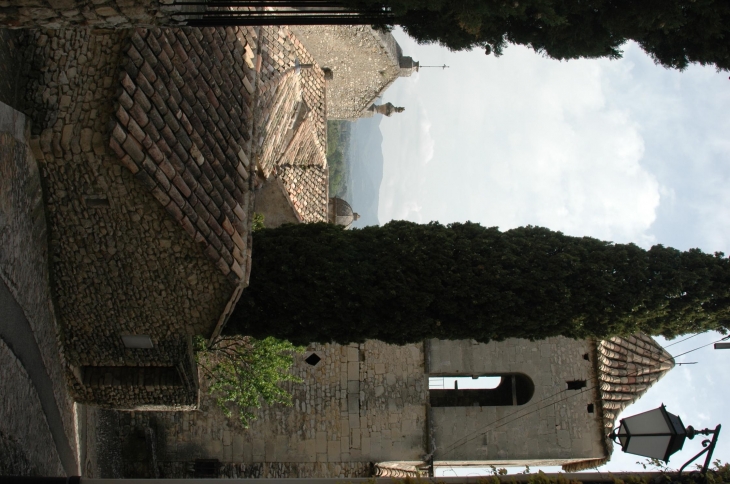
216	13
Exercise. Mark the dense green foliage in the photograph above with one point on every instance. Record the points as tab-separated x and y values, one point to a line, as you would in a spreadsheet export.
674	32
258	222
242	371
338	145
404	282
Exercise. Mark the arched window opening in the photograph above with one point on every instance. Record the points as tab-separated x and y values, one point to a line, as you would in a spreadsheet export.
511	390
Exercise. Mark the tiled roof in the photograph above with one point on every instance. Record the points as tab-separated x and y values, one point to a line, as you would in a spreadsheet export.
627	367
307	188
183	125
291	123
305	149
280	51
279	105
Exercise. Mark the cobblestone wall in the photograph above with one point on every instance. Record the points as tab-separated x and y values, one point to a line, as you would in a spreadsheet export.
55	14
24	258
555	426
145	138
120	264
362	61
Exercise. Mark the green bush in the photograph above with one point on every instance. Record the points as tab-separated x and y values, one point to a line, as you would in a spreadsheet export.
244	371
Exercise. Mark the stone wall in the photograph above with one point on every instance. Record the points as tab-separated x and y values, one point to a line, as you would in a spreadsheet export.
555	426
119	263
24	263
362	61
282	470
359	404
26	445
274	204
55	14
145	138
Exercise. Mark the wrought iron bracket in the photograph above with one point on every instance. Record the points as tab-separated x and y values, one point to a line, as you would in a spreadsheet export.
709	448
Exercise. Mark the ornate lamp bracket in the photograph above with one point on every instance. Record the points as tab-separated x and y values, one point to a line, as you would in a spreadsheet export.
709	447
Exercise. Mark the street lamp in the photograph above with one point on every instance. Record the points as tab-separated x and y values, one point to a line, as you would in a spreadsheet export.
658	434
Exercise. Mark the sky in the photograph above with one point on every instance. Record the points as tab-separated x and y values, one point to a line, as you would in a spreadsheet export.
621	150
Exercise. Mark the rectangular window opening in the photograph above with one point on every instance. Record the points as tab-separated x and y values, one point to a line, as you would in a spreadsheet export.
576	384
137	341
463	382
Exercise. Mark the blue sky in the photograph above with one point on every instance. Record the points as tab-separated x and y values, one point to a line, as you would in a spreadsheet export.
621	150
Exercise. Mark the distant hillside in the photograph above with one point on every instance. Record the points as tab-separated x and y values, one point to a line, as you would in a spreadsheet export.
338	155
366	169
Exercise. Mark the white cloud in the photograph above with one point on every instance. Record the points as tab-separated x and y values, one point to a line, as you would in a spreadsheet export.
514	141
406	138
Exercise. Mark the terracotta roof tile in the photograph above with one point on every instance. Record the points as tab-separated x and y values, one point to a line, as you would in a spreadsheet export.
627	368
183	126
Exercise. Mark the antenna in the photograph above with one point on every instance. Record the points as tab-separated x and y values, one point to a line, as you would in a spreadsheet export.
438	67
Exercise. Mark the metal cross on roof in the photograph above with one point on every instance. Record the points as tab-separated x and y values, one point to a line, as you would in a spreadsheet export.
440	67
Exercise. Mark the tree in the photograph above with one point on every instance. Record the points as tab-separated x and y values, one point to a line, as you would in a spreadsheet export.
243	371
674	32
405	282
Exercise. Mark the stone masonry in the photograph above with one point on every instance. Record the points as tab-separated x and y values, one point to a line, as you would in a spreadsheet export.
151	142
359	404
55	14
562	430
121	265
367	408
26	445
364	63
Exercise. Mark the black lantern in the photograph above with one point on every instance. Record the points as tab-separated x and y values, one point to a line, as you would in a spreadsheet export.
658	434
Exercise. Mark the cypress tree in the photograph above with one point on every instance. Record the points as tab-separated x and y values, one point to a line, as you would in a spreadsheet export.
674	32
404	282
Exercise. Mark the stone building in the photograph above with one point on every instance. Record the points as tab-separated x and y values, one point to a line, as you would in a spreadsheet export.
387	109
375	408
339	212
150	143
364	62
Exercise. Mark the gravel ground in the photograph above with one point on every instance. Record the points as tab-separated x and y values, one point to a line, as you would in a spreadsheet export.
103	449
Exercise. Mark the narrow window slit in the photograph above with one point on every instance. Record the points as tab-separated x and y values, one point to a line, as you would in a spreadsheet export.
576	384
96	201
